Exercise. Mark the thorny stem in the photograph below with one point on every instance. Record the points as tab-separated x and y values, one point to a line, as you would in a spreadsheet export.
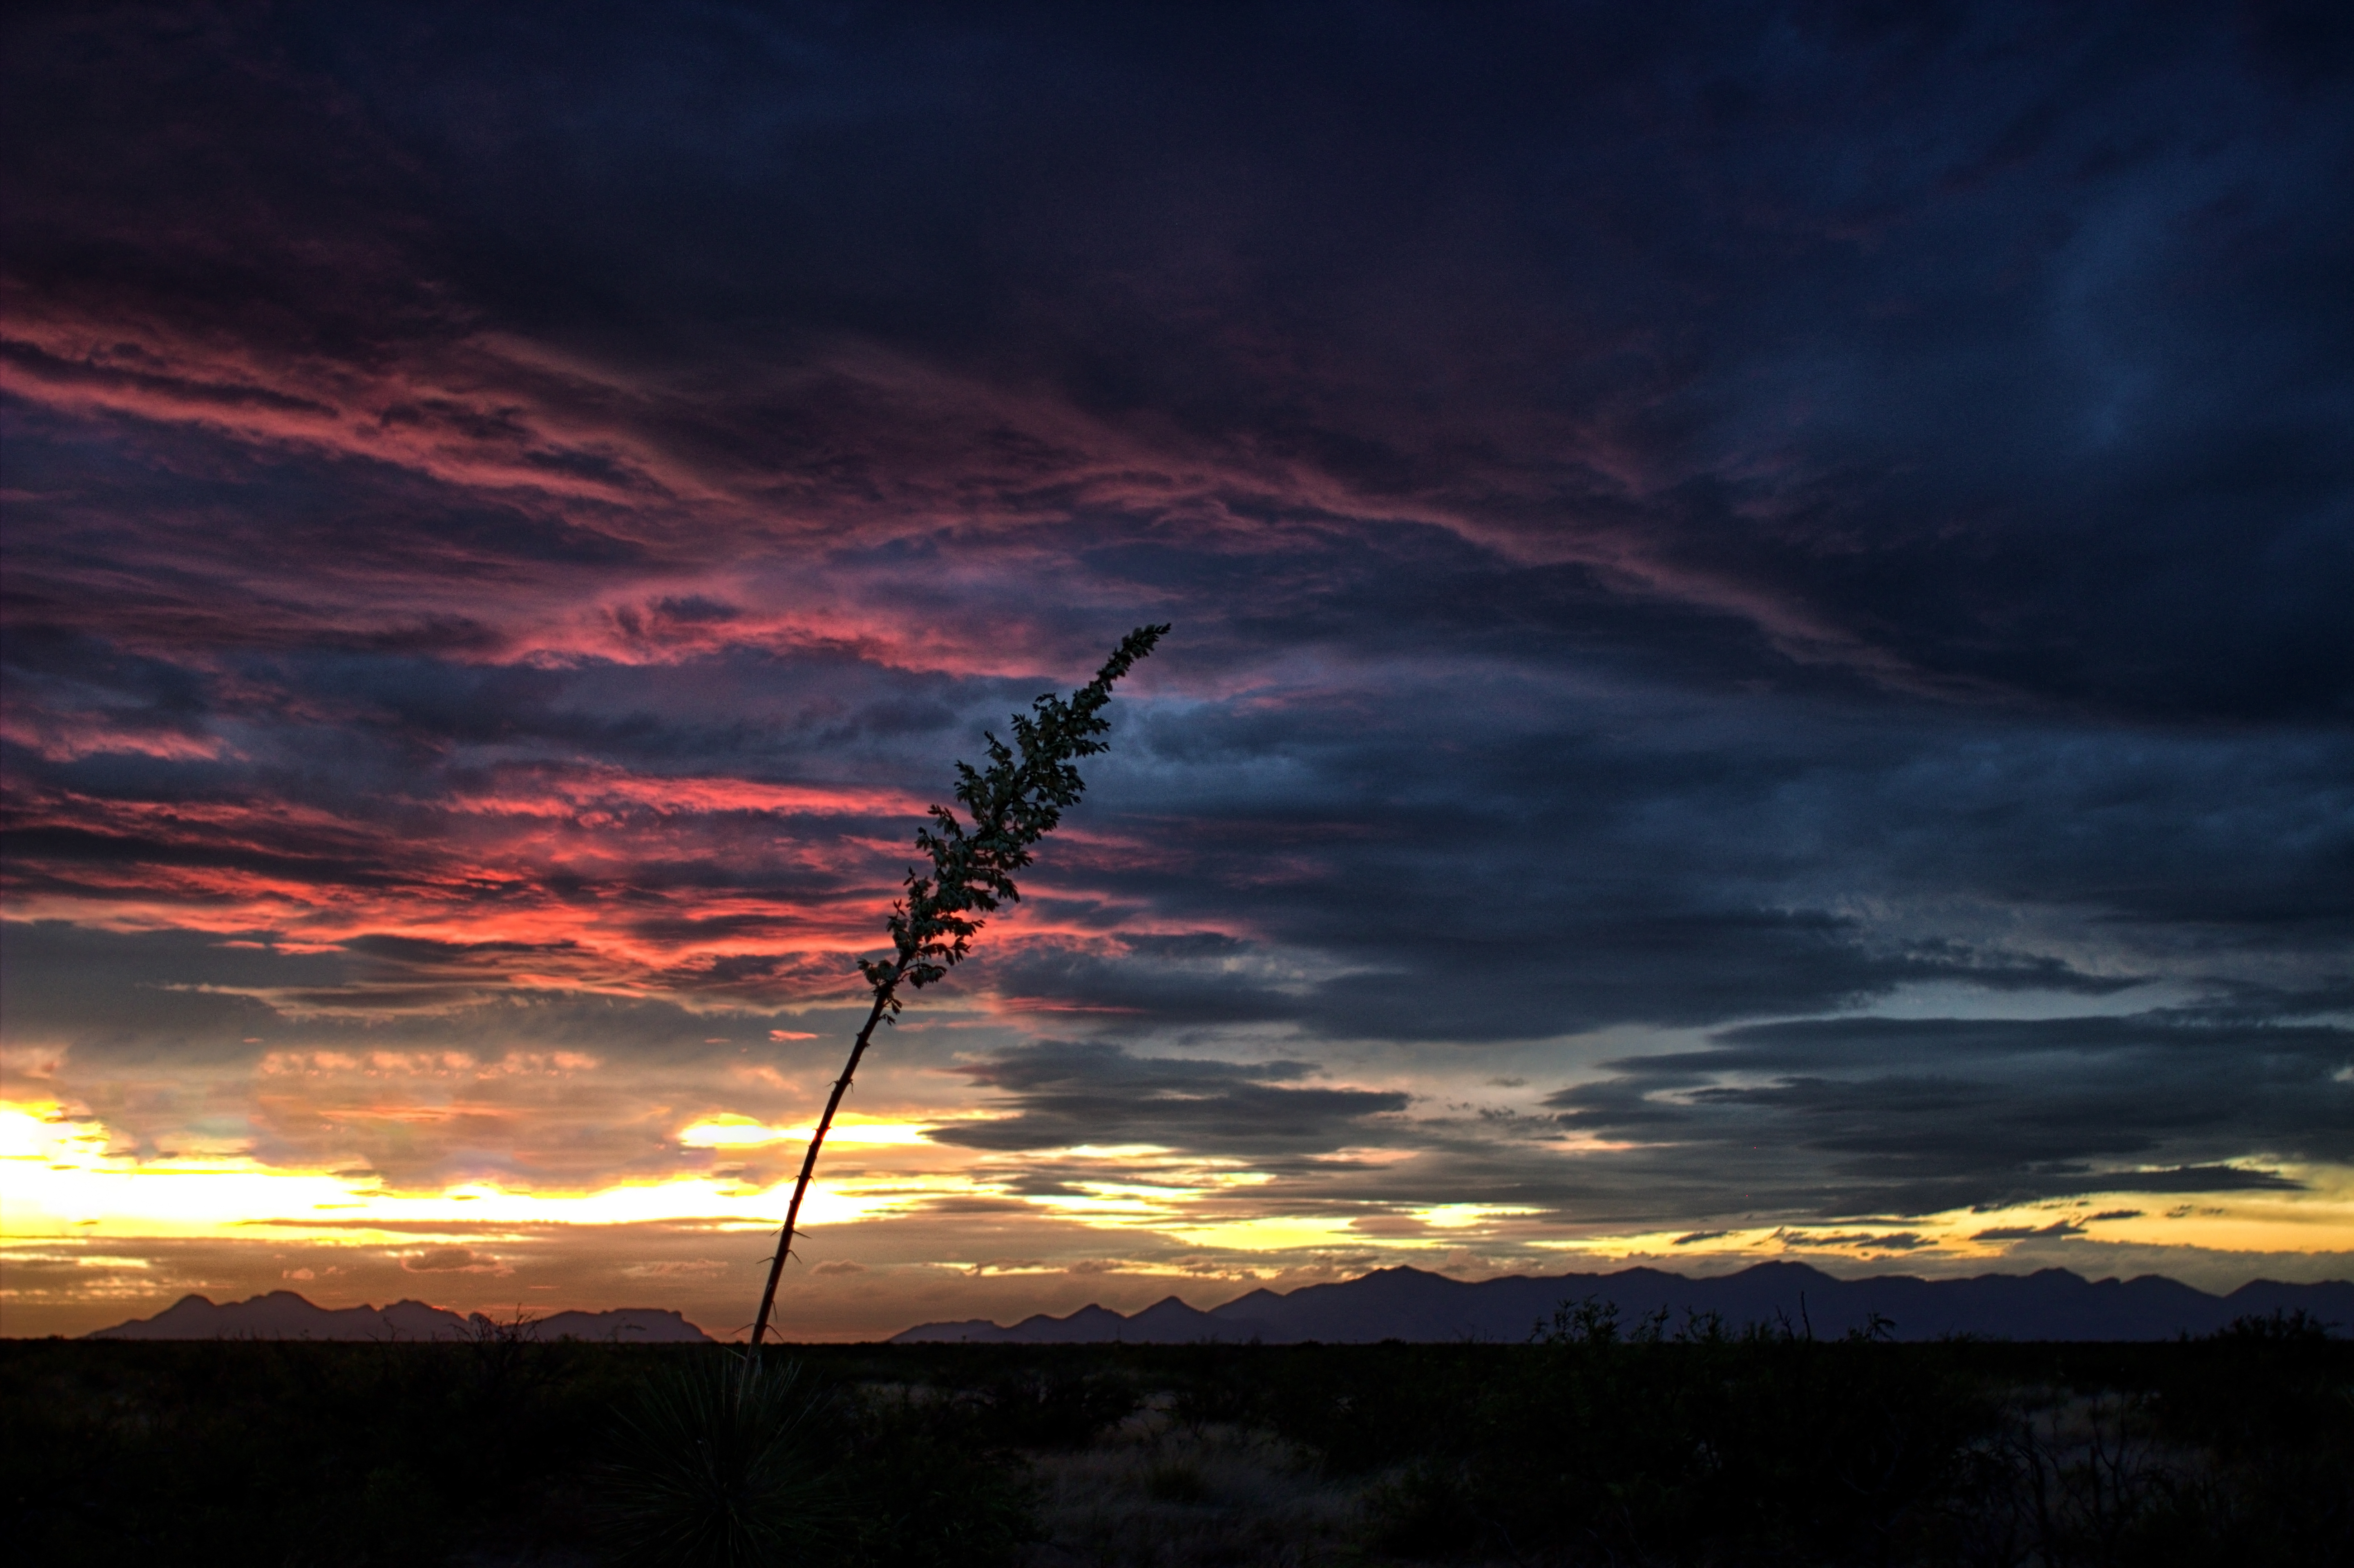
809	1161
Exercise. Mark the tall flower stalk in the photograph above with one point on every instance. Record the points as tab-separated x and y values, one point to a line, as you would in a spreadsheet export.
1014	802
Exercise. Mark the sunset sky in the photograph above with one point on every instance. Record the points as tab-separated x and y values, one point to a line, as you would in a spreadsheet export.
1762	663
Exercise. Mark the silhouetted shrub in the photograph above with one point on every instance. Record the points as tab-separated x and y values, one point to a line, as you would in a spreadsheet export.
721	1462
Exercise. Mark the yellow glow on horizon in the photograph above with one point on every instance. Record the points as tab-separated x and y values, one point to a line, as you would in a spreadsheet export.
60	1180
2316	1218
64	1176
2319	1217
1274	1234
743	1132
1113	1199
1463	1216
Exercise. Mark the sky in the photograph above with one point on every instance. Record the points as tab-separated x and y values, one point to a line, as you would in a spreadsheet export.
1760	662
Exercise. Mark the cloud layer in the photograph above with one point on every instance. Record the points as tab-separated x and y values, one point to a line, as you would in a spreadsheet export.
1758	593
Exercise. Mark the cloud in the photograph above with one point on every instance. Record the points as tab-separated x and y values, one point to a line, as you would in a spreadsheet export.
451	1260
1066	1094
1779	572
1850	414
2056	1229
1912	1116
1863	1241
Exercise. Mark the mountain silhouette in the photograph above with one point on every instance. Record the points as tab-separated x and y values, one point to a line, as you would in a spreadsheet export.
1414	1305
284	1315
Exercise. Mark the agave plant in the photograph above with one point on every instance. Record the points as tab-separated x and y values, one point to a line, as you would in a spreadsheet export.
718	1467
1014	802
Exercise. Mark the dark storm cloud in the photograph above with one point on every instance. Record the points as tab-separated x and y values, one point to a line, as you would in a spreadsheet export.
1066	1094
1911	1116
1509	208
1662	859
2000	327
1144	979
175	995
150	1000
1926	1119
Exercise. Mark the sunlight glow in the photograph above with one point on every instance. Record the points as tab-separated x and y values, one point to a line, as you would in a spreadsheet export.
1461	1216
1273	1233
2317	1217
60	1180
743	1132
66	1178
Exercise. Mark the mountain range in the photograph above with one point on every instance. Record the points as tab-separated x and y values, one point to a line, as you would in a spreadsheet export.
1410	1304
284	1315
1413	1305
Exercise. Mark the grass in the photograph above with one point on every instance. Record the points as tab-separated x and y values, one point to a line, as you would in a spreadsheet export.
1161	1491
1603	1443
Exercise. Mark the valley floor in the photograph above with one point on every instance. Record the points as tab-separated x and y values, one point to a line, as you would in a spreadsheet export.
1601	1443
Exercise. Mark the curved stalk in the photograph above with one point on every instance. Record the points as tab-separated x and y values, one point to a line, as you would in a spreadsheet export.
808	1161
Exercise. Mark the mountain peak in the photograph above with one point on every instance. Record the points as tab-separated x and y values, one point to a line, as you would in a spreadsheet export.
285	1315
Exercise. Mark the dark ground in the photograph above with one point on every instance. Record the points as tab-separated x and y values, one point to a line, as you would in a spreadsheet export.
1595	1445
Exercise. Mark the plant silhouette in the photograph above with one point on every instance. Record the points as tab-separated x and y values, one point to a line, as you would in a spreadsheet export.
718	1464
1014	802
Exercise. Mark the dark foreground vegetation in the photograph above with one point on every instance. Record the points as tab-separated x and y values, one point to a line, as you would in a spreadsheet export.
1603	1444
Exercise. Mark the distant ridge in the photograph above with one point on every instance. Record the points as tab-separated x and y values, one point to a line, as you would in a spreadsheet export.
284	1315
1410	1304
